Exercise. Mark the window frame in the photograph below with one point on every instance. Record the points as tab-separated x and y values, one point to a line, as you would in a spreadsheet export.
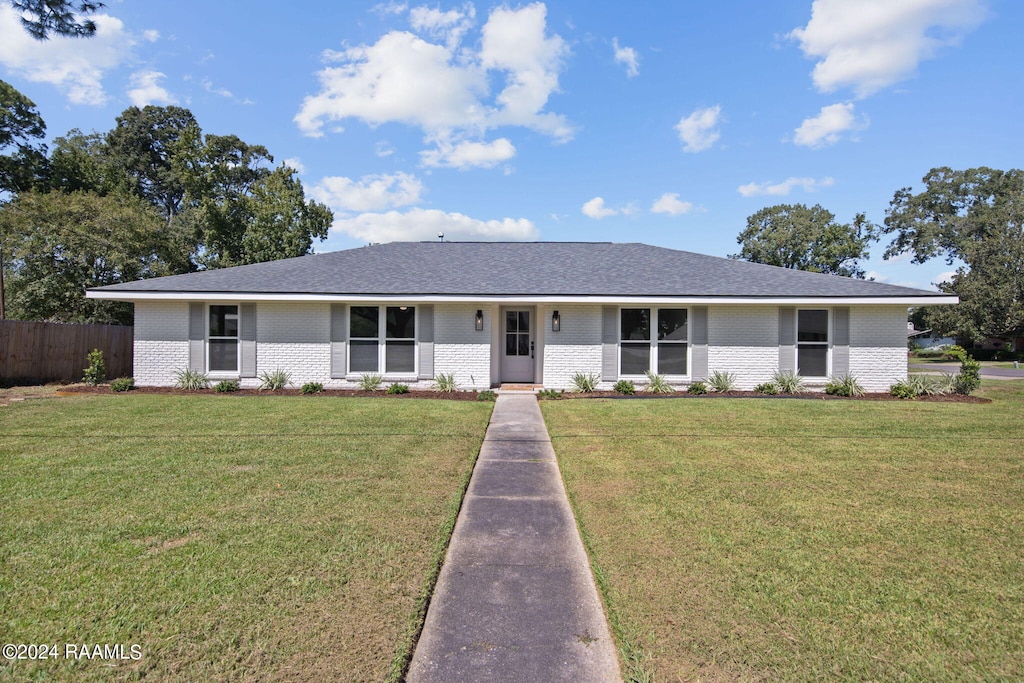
653	341
237	339
382	342
829	335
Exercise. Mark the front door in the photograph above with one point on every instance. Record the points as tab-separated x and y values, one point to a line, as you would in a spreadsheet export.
518	346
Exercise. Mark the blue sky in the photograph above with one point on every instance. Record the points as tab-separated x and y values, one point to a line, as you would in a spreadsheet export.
663	122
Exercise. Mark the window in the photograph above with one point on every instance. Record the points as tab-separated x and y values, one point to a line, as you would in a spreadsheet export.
517	333
665	353
223	339
387	340
812	343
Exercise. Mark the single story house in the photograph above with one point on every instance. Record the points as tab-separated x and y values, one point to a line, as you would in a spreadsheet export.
517	312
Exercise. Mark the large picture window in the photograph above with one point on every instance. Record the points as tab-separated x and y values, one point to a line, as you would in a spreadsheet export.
382	337
812	343
661	348
223	339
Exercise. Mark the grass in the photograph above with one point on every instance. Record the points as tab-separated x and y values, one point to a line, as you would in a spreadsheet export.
802	540
232	538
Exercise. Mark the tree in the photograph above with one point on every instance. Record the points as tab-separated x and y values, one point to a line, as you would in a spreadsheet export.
62	243
43	17
282	224
20	124
794	236
976	217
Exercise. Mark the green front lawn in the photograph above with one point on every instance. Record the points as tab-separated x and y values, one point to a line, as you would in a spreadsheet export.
804	540
231	538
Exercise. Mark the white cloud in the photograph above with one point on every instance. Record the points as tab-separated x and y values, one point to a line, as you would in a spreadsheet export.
669	203
944	277
383	149
876	276
369	193
146	89
443	89
699	130
595	208
74	66
449	26
870	44
828	126
424	224
151	35
628	57
209	87
466	154
782	189
386	8
296	164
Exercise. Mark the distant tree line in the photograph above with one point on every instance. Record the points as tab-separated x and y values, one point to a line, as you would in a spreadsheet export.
974	217
152	196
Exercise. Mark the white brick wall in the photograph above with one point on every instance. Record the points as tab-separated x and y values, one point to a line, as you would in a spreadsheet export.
161	342
296	337
744	340
575	348
878	345
458	348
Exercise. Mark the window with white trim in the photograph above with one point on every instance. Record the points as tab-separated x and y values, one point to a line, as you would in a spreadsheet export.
661	348
222	341
812	342
382	337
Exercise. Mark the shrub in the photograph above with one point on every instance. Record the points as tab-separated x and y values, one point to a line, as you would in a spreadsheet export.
969	378
902	390
767	388
312	388
398	389
721	381
446	383
844	385
226	386
96	373
956	352
549	394
584	383
487	395
191	380
697	388
946	383
370	381
788	382
274	380
657	384
923	384
624	386
122	384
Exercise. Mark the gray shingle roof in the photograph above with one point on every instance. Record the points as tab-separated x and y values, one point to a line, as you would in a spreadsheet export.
516	269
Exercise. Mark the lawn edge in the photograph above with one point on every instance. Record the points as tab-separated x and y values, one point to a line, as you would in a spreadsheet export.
403	656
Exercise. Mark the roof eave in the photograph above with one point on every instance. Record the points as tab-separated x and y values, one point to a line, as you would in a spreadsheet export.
900	299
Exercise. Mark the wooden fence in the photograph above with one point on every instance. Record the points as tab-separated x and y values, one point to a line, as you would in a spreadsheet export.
56	351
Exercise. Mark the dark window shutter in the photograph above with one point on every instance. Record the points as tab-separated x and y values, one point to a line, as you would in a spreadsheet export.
840	340
609	343
247	340
197	337
787	339
425	320
339	340
699	343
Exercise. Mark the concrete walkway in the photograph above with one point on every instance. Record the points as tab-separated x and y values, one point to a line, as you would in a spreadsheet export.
515	600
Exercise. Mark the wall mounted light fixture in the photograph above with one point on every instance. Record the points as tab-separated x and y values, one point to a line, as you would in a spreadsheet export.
556	322
479	320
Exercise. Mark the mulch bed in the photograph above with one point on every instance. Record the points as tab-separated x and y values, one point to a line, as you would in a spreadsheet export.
472	395
351	393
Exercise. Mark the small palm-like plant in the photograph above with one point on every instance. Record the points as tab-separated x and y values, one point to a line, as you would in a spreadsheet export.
370	381
446	383
657	384
584	383
191	380
273	380
722	381
788	382
844	385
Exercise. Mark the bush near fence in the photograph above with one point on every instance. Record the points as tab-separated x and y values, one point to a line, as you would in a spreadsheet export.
32	352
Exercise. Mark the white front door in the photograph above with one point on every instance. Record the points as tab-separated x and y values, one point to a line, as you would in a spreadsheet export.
517	345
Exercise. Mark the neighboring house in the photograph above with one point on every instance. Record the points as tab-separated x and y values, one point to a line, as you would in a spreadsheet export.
926	340
525	313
